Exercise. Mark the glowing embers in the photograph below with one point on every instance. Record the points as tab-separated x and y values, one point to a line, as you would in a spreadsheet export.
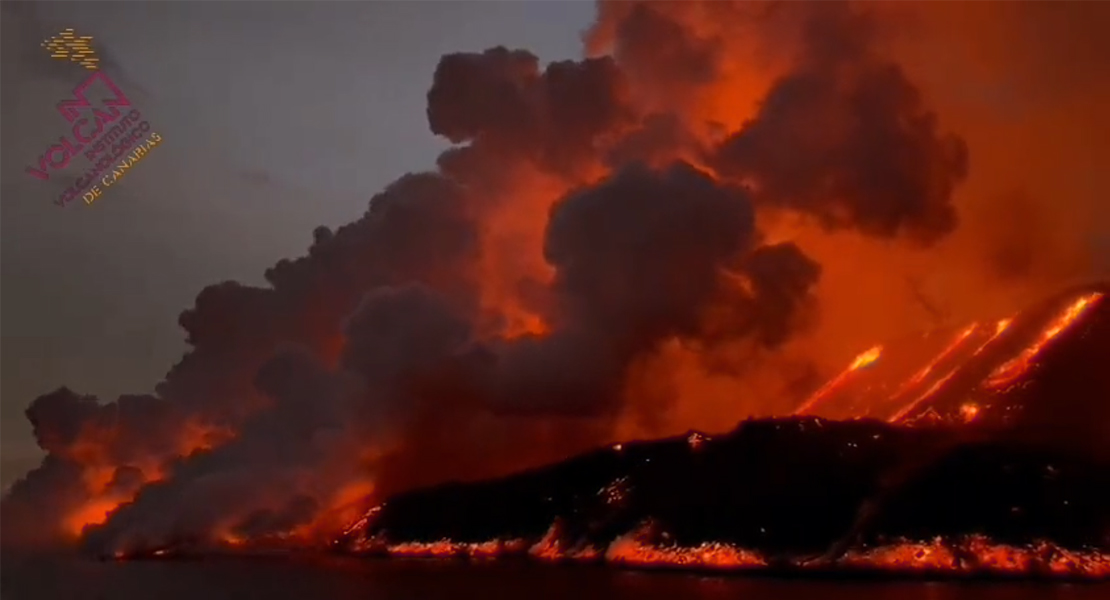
941	557
616	493
449	549
968	411
902	557
630	551
863	360
363	522
696	440
549	547
978	555
1011	370
553	548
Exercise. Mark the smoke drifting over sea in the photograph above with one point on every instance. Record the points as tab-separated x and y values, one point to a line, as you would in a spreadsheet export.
622	245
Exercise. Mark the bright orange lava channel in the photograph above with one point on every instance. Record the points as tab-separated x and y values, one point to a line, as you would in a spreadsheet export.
1011	370
863	360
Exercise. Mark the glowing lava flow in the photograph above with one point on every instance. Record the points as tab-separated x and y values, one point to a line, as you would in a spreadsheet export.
961	556
904	556
449	549
861	361
979	555
943	375
908	408
1011	370
548	547
944	354
628	551
999	327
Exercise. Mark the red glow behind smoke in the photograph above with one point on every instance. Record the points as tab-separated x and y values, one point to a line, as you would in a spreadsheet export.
913	396
1012	369
625	246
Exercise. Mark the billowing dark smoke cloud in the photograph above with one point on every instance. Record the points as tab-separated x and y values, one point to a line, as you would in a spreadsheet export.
126	432
846	138
639	258
260	482
372	359
417	230
415	324
843	135
287	459
502	102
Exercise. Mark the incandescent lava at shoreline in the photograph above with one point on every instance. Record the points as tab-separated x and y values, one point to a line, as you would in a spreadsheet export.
1005	491
798	493
1013	489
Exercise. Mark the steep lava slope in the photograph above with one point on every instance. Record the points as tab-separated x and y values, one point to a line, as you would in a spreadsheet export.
986	455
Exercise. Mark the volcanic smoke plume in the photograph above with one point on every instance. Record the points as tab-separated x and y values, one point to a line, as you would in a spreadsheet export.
600	230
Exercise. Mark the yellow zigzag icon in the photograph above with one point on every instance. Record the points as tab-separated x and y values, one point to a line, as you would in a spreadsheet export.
69	46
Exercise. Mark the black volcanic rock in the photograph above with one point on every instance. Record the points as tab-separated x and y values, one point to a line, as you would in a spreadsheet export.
1022	489
788	483
1011	493
789	488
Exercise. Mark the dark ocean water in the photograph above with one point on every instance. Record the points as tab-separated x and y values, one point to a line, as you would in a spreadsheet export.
53	578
